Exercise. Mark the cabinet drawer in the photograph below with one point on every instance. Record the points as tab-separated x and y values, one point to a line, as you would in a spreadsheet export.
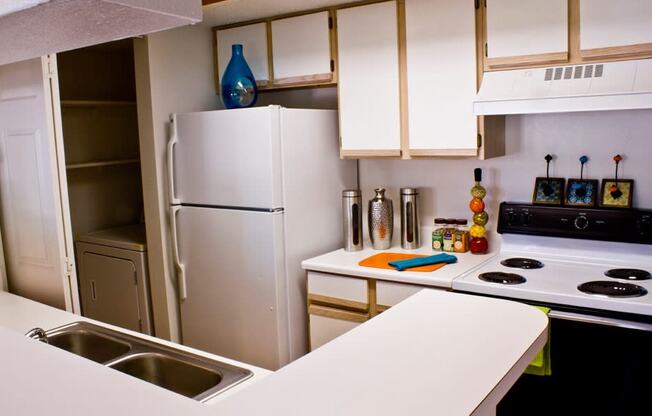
327	324
389	294
322	286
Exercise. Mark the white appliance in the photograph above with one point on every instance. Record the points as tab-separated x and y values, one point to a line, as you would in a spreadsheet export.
113	278
592	269
624	85
253	193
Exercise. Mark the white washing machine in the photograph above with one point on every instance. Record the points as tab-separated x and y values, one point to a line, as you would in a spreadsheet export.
113	281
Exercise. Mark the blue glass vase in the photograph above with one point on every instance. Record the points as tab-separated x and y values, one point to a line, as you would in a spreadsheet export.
238	83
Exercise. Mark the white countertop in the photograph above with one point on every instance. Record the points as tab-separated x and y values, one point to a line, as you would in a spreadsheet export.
346	262
435	353
19	315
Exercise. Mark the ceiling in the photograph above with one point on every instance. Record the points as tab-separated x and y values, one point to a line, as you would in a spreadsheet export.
234	11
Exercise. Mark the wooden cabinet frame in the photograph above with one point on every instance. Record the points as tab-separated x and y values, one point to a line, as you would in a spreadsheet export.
308	81
575	54
491	135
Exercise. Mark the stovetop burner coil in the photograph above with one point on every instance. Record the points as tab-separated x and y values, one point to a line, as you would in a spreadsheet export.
612	289
502	278
628	274
522	263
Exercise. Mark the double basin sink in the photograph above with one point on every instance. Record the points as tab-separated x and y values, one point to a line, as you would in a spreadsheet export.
184	373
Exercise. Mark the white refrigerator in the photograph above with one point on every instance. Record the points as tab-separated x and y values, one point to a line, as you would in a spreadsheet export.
253	192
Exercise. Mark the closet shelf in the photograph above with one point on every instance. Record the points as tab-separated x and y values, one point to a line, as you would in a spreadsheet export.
91	103
103	163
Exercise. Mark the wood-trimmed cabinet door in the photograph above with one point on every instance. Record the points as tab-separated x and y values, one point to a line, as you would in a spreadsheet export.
253	39
525	33
336	304
301	50
368	84
441	77
615	29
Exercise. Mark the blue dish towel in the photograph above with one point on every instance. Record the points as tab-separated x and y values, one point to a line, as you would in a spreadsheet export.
401	265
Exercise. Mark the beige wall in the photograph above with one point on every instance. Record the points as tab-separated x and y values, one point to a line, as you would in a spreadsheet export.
174	73
446	183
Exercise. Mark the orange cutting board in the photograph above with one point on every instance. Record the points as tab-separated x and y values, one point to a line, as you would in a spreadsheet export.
381	261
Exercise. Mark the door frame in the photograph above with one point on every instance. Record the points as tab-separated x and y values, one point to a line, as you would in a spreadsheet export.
60	182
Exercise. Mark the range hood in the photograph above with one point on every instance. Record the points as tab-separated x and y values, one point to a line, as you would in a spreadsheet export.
32	28
624	85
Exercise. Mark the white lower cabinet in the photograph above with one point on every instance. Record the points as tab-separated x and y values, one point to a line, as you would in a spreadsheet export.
390	293
326	323
339	303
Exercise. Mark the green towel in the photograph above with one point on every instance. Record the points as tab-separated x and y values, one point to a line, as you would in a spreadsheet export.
541	365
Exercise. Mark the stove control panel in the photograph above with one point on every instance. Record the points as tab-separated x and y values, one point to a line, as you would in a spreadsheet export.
634	226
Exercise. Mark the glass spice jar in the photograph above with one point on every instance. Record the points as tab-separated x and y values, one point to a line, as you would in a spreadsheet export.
461	240
449	235
438	234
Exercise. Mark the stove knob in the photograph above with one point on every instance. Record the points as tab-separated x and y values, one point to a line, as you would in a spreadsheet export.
581	222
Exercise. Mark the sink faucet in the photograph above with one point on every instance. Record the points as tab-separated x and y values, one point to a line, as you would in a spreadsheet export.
38	334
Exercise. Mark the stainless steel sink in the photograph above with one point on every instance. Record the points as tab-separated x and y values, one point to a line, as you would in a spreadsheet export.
184	373
89	344
172	374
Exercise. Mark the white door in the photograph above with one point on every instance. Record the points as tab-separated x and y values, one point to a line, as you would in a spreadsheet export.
526	32
615	28
301	49
368	84
234	303
32	209
441	76
228	158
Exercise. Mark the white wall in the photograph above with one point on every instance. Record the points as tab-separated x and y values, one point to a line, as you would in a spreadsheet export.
174	73
446	183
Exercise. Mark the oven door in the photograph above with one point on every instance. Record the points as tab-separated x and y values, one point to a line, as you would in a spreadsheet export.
601	365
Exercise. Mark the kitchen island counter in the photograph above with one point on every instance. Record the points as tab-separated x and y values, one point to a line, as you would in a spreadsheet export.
435	353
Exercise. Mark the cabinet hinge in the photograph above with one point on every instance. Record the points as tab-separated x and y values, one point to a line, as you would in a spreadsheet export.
477	4
332	65
330	23
486	49
50	66
479	141
485	4
68	265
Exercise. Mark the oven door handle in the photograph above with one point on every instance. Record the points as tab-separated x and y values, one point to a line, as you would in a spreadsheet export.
599	320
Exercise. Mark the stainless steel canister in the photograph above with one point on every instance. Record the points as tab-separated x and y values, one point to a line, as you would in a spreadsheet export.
381	220
410	218
352	216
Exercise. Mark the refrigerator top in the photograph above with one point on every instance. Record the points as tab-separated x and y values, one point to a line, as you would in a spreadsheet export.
229	158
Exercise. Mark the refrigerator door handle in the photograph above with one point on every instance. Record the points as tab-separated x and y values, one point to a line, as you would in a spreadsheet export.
181	271
171	143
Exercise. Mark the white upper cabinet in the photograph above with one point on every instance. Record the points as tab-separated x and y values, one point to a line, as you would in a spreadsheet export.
615	28
521	33
441	77
253	39
301	49
368	71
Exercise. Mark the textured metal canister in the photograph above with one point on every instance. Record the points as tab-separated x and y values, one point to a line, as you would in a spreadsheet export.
410	218
381	220
352	219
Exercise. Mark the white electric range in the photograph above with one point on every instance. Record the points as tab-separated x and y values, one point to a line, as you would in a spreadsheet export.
547	256
593	269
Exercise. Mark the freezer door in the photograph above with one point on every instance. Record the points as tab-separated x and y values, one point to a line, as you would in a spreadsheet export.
235	304
229	158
